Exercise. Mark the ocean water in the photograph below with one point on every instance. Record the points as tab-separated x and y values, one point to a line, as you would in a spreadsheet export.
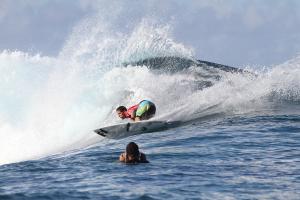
241	140
242	157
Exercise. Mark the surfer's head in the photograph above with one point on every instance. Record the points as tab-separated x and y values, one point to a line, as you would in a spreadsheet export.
132	152
121	111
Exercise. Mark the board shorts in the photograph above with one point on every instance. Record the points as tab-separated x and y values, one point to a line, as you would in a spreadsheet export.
146	110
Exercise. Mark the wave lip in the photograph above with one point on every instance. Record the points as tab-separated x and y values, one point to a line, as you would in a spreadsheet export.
175	64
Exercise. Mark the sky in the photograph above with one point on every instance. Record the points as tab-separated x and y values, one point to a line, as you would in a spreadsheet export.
232	32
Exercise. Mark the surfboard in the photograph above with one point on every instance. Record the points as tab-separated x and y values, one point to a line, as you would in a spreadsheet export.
128	129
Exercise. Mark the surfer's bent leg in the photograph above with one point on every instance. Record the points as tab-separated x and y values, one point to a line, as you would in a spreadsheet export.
146	110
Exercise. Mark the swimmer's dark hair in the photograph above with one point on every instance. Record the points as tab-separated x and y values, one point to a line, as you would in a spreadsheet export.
132	149
121	108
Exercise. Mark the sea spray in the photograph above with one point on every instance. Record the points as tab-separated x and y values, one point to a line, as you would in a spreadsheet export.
51	104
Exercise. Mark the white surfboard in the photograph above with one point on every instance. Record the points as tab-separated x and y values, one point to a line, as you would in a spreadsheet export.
124	130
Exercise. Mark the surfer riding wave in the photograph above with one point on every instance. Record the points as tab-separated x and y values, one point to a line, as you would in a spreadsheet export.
141	111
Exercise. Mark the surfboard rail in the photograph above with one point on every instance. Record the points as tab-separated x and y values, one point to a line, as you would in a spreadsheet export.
119	131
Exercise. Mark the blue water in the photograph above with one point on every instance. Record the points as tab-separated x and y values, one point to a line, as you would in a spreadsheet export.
237	157
241	142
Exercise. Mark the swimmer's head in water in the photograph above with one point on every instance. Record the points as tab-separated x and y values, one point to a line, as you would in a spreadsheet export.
132	152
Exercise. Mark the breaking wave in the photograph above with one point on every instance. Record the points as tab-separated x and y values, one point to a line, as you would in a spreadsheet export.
51	104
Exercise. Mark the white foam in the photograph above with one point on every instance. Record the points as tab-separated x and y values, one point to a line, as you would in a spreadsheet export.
50	105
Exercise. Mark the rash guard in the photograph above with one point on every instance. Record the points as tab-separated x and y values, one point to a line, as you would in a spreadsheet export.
145	110
131	111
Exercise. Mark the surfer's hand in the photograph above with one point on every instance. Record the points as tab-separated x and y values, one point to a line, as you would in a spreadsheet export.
137	119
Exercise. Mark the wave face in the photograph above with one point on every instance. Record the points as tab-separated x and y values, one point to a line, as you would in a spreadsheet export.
51	104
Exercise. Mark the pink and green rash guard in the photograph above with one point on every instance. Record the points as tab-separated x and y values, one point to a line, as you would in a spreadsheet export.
139	109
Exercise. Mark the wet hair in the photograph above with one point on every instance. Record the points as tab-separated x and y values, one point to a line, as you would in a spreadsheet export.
132	150
121	108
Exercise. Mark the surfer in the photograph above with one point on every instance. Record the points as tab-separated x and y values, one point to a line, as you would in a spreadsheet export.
142	111
133	155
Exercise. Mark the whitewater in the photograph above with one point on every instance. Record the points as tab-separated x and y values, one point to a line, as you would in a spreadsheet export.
244	125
